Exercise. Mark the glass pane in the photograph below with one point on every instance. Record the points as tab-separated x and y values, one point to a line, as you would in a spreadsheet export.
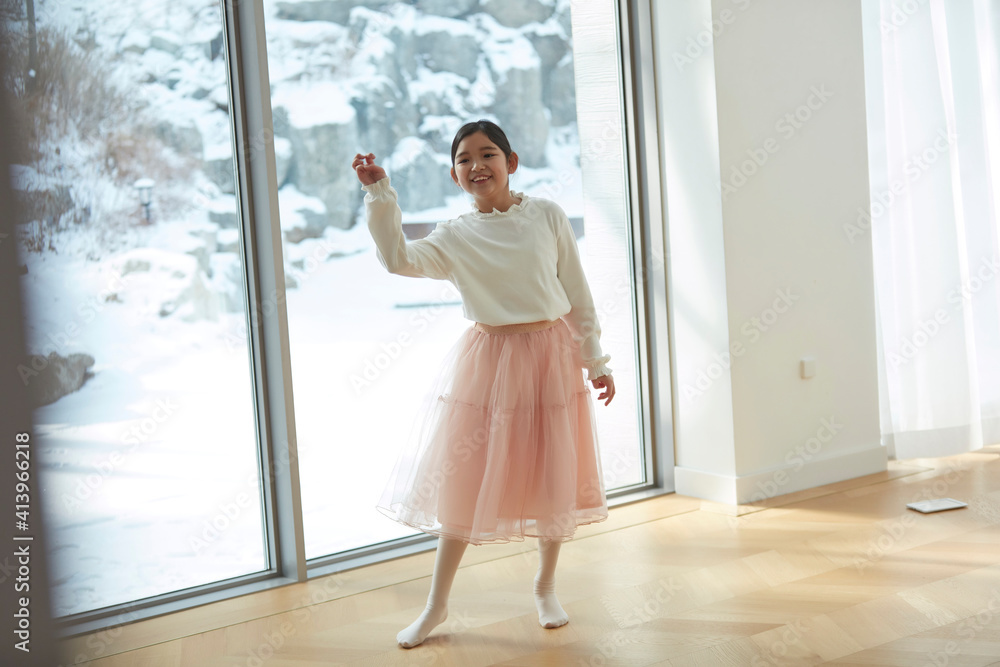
398	79
135	298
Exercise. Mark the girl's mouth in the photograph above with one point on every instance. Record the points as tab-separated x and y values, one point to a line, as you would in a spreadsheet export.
480	179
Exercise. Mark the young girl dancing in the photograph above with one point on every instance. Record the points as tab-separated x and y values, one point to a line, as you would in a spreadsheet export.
510	449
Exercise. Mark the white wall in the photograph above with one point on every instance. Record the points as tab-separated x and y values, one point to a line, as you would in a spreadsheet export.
766	100
689	152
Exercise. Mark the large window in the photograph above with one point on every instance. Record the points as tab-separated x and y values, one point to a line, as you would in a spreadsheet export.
149	219
134	292
398	79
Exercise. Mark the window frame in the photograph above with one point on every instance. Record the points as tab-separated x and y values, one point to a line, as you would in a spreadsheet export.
267	322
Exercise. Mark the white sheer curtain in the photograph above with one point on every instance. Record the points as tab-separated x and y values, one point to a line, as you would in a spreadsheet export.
934	150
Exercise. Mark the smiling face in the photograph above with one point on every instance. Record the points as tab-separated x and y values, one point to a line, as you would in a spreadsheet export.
482	170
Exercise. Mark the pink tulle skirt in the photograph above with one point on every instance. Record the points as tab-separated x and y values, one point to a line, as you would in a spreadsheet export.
509	448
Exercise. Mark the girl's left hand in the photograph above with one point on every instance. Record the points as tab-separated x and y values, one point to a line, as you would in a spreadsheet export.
607	383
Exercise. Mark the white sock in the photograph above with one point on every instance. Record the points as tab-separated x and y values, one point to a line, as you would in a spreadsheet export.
449	555
415	633
550	612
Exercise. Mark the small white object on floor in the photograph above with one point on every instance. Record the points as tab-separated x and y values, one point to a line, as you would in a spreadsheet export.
936	505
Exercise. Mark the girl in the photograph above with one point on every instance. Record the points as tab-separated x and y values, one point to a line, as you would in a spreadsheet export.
510	448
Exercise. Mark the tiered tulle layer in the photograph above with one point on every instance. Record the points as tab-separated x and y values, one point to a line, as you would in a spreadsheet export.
509	449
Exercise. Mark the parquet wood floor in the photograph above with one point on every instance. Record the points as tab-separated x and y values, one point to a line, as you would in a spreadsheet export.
837	575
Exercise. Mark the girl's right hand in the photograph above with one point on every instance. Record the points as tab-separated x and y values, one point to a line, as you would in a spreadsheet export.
368	171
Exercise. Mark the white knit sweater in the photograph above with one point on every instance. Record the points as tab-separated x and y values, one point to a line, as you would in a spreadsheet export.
518	266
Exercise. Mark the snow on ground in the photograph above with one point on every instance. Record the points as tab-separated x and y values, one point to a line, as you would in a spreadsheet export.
131	461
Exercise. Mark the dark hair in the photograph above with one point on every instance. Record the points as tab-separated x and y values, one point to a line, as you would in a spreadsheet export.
489	128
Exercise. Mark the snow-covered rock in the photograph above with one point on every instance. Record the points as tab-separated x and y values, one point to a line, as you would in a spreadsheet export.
229	240
222	211
516	13
204	244
338	11
440	93
376	54
189	126
322	127
50	378
419	175
197	238
563	16
314	10
153	282
165	41
560	93
404	51
219	96
212	47
446	45
134	41
449	8
549	42
302	216
558	77
227	280
218	166
518	104
439	131
438	43
180	133
283	156
384	115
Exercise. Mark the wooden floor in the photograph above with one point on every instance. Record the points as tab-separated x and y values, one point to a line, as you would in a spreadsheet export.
839	575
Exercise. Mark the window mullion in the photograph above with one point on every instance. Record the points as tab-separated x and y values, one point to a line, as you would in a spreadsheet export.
649	247
268	323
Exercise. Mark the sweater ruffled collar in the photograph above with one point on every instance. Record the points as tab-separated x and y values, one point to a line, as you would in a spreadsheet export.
516	208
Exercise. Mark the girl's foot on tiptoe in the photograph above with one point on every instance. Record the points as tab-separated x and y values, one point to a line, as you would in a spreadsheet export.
550	612
417	632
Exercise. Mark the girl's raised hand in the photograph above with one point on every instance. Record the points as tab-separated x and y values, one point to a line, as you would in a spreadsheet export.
607	383
368	171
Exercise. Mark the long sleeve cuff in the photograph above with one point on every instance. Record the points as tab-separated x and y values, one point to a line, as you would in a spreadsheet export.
597	367
379	190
